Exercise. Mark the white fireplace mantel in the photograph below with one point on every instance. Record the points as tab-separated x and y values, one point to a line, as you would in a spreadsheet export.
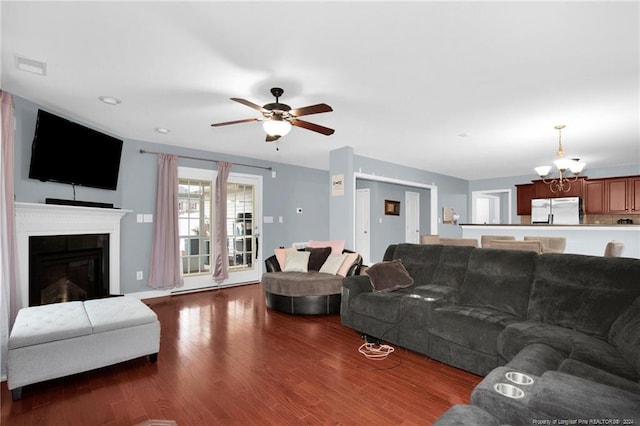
34	219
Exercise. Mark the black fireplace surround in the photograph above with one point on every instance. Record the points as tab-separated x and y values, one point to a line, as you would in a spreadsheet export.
64	268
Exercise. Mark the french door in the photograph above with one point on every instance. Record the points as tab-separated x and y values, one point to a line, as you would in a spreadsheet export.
196	217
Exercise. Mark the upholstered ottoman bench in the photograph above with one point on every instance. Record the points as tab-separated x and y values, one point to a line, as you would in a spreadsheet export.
61	339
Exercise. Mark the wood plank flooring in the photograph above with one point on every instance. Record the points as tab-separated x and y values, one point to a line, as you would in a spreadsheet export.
225	359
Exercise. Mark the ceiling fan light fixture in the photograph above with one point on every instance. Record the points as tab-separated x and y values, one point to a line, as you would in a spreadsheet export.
276	127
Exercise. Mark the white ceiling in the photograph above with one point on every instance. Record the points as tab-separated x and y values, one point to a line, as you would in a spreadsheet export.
405	79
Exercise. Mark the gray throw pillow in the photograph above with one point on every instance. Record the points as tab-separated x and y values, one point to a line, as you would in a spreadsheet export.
389	276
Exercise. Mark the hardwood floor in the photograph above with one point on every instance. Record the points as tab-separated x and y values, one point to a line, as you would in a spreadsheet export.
225	359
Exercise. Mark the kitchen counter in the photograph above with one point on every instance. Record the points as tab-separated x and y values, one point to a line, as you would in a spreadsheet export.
588	239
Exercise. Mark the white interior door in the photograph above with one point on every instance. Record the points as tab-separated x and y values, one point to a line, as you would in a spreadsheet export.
363	224
412	217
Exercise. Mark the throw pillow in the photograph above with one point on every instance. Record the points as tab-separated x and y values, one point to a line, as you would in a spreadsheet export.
336	246
351	257
281	256
317	257
297	261
333	263
389	276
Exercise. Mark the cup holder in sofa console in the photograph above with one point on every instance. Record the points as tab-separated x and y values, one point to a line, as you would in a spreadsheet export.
519	378
508	390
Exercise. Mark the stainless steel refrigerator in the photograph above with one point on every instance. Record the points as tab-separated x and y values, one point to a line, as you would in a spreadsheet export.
558	211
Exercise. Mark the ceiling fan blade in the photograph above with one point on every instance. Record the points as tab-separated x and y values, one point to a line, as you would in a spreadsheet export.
272	138
311	126
246	120
311	109
249	104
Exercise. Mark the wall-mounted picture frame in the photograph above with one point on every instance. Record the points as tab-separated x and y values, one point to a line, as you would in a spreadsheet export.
392	208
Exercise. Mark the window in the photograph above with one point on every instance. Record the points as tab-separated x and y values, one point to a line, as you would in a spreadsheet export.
240	238
194	218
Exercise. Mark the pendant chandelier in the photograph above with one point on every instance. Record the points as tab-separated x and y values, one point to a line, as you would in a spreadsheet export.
561	183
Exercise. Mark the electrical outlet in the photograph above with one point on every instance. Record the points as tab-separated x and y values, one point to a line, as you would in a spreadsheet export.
139	275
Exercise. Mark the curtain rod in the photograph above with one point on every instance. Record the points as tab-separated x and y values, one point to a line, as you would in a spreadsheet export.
142	151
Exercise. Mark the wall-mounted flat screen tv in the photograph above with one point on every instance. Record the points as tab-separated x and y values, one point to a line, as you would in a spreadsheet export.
67	152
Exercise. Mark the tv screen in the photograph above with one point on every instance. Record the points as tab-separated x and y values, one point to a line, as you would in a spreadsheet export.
67	152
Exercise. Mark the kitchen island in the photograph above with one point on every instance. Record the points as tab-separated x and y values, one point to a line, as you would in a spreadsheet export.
581	239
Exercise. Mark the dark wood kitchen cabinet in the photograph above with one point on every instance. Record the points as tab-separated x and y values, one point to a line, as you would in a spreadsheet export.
524	194
623	195
594	196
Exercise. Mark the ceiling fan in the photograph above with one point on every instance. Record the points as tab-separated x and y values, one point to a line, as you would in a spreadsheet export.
278	118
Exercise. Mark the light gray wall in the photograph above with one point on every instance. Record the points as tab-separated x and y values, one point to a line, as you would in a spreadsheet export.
387	229
452	192
293	187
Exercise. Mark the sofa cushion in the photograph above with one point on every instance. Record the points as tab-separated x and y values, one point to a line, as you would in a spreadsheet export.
564	396
47	323
586	371
382	306
499	279
389	276
571	344
582	293
625	334
473	327
419	260
297	284
317	257
114	313
452	267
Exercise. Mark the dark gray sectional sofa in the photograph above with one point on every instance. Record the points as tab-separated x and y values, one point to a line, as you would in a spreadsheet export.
571	323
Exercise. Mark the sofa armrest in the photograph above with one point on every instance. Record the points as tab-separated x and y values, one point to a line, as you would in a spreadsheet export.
357	284
272	264
351	287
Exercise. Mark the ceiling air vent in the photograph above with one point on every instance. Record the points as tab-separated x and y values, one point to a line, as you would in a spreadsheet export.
31	65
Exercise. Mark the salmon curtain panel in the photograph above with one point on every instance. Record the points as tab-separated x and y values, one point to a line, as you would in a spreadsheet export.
10	297
220	248
165	271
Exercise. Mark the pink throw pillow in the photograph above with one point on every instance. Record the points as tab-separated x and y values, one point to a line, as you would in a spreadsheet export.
336	246
344	268
281	256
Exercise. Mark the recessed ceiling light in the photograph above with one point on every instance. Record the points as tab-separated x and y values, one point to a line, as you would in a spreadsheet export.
162	130
31	65
109	100
464	135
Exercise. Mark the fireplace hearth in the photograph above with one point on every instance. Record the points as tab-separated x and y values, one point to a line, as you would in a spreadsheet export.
65	268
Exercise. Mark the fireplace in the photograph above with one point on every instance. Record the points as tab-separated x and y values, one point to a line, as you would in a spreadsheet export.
63	268
49	220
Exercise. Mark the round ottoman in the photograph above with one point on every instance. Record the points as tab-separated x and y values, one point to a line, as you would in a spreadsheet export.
307	293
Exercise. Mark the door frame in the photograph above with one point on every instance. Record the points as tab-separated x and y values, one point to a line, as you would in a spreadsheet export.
492	193
366	253
205	281
433	191
407	231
